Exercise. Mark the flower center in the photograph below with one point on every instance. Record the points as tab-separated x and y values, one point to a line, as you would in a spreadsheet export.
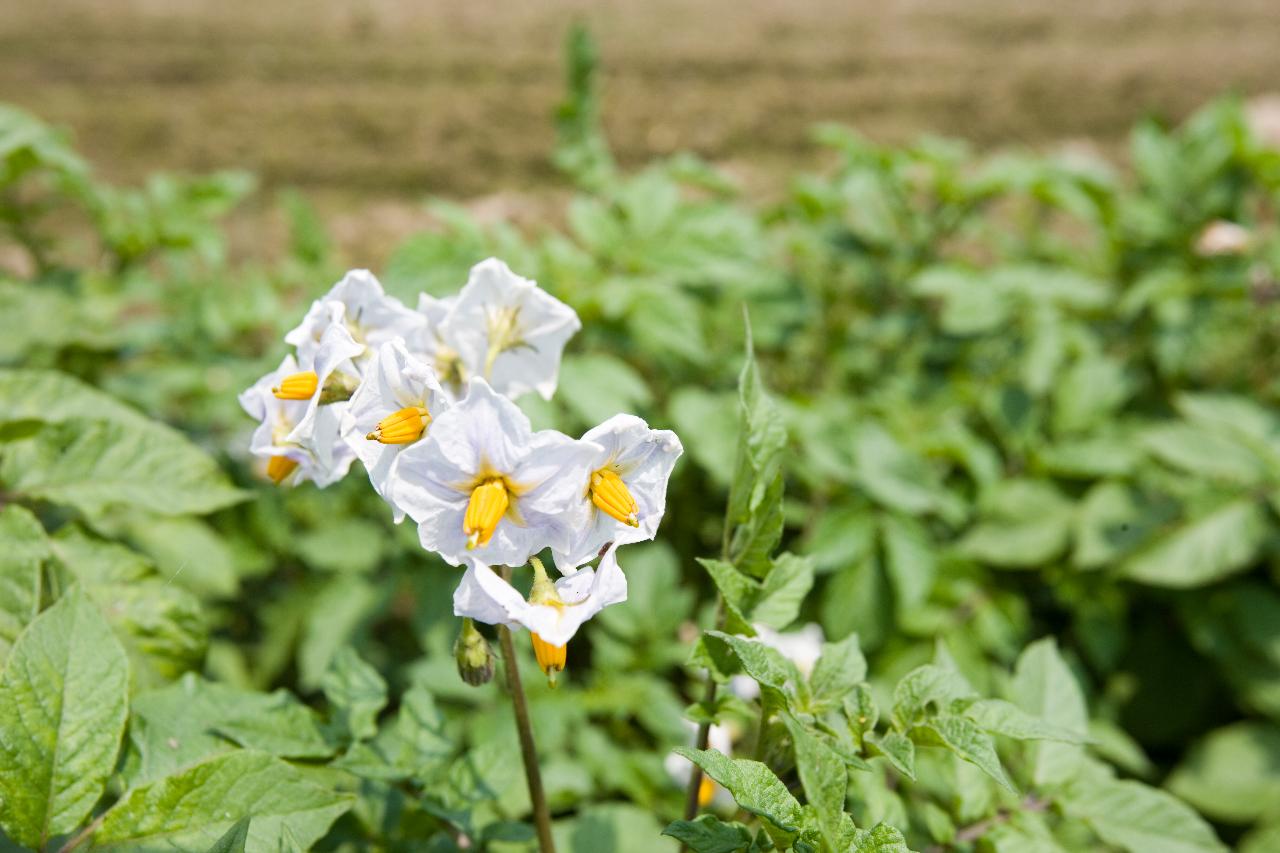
279	467
297	386
610	495
488	503
403	427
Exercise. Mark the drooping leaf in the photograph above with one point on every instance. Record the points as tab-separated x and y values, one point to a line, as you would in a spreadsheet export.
898	749
64	695
839	669
1045	687
1004	718
753	785
963	737
357	693
763	663
195	807
1203	550
1138	818
822	774
709	834
25	548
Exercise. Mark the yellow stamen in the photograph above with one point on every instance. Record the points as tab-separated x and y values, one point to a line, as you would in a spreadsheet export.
550	658
403	427
610	495
279	467
489	502
299	386
706	791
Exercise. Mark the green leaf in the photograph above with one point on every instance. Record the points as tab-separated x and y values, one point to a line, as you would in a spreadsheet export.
928	685
1204	549
822	774
763	663
357	693
893	477
414	742
597	386
881	838
1005	718
778	603
898	749
963	737
839	669
65	695
193	719
1138	818
709	834
97	453
1204	452
1233	775
737	591
25	549
1026	523
234	839
193	808
753	785
910	561
1044	686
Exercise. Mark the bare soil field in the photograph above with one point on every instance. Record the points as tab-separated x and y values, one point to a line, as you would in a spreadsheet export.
391	100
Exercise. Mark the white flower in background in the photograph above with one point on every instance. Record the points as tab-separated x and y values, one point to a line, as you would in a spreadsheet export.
802	647
679	768
508	330
483	484
391	410
300	412
553	612
624	494
1221	237
429	343
359	303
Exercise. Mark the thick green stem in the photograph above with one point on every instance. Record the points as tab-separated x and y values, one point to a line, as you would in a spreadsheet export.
528	751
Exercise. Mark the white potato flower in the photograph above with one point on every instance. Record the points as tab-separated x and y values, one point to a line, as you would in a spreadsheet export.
359	303
429	344
553	613
483	484
508	330
390	411
300	409
624	494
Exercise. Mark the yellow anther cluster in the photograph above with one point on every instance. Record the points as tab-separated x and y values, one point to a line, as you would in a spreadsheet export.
611	496
297	386
403	427
487	506
279	467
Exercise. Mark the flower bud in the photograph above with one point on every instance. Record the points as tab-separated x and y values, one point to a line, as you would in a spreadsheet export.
473	655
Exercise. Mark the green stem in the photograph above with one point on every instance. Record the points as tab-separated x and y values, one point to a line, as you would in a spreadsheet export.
528	751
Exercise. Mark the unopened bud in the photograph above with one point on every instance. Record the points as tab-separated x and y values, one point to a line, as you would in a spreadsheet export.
473	655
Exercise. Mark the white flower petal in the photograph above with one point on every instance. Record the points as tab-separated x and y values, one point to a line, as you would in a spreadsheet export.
534	324
358	302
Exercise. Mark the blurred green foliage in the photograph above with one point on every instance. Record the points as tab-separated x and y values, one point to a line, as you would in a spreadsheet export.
1010	397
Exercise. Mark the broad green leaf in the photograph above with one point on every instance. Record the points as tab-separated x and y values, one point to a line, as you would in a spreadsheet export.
415	741
1045	687
234	839
1026	523
909	562
357	693
1138	818
736	594
1264	839
97	453
1004	718
839	670
195	807
707	424
894	477
597	386
709	834
930	687
192	720
753	785
25	547
857	598
65	695
1204	549
822	774
881	838
841	537
783	590
898	750
1233	775
763	663
963	737
620	827
188	553
1109	523
1204	453
162	626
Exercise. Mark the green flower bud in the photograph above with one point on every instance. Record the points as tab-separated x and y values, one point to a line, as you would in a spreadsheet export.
475	658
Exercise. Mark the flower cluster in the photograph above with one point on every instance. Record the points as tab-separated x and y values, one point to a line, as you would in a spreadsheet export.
424	399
